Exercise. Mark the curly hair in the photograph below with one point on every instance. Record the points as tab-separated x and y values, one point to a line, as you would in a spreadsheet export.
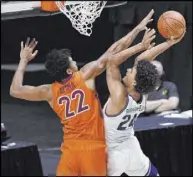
146	77
57	62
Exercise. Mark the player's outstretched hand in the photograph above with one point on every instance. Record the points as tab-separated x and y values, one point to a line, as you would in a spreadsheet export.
148	37
27	51
142	25
173	40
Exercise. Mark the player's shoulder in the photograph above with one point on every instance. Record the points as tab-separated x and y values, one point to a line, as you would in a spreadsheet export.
129	96
78	76
87	84
140	97
46	89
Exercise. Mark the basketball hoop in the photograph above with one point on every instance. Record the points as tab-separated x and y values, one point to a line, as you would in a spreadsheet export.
82	14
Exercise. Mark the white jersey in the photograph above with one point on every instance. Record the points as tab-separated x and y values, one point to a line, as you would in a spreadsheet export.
123	148
120	127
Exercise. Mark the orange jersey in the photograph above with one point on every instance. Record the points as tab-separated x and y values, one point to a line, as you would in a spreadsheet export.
79	109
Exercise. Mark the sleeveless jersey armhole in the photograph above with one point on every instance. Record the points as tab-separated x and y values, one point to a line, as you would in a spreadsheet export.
120	112
84	82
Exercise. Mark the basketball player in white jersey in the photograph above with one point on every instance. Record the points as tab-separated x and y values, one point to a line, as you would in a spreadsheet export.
126	101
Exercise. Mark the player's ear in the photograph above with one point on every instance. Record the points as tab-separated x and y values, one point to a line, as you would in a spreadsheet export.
69	71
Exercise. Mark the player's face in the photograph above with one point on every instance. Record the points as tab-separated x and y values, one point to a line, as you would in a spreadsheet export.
73	65
129	79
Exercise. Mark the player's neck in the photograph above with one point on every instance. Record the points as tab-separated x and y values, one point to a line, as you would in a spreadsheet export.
135	95
64	81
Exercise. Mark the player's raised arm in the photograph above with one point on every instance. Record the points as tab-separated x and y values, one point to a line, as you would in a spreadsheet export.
120	57
17	89
152	53
95	68
116	88
128	39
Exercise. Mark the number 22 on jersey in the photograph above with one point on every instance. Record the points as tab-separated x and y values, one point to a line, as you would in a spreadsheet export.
67	101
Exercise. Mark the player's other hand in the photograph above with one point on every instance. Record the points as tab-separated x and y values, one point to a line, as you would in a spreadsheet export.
173	40
148	37
142	25
27	52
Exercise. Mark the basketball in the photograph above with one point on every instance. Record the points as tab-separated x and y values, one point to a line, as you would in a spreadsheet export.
171	23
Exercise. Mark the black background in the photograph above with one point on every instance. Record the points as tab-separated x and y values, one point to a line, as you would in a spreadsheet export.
57	32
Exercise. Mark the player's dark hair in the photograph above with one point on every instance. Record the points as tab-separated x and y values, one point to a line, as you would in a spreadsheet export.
57	62
146	77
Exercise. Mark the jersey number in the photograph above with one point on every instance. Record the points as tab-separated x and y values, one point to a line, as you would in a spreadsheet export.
126	124
81	107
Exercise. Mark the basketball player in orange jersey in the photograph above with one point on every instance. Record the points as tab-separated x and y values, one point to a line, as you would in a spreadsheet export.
73	97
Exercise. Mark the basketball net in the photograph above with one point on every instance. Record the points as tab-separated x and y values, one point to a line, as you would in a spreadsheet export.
82	14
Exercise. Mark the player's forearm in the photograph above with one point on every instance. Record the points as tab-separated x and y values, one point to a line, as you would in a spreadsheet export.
115	87
17	81
124	42
125	54
130	37
94	68
120	45
152	105
154	52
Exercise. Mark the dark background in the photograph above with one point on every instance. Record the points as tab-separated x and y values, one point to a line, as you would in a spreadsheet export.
57	32
36	122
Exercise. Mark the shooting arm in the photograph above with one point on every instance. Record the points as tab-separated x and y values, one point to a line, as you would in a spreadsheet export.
152	53
157	50
31	93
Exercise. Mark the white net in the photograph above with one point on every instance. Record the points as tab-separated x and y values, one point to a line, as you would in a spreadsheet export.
83	14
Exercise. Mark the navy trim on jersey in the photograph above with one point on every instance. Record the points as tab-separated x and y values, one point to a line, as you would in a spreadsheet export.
67	79
119	112
149	169
152	171
139	101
